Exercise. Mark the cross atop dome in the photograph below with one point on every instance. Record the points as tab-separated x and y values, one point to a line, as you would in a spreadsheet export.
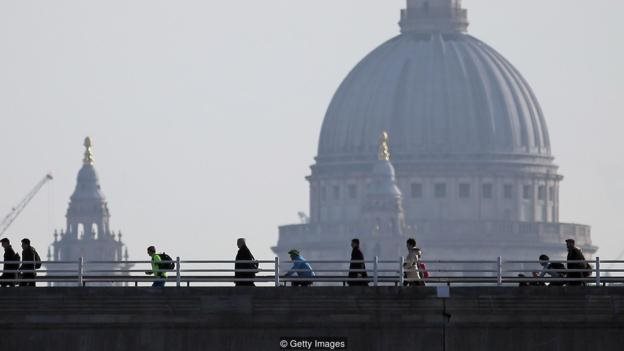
434	16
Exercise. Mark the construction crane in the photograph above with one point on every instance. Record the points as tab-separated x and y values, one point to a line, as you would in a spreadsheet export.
15	212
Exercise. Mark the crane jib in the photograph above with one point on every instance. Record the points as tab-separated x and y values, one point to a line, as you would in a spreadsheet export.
15	212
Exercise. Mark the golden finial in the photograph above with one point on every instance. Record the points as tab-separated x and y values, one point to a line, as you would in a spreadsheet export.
384	149
88	155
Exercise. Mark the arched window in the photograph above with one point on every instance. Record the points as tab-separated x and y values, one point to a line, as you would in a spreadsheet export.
94	230
80	231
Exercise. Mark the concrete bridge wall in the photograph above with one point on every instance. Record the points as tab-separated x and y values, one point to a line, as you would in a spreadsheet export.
386	318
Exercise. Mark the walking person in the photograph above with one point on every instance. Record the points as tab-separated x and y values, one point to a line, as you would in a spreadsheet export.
357	269
301	268
159	273
8	279
412	274
30	263
249	267
575	254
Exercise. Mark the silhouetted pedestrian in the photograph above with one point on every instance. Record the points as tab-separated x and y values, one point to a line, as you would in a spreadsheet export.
8	278
575	254
159	273
301	268
412	274
30	263
250	265
357	270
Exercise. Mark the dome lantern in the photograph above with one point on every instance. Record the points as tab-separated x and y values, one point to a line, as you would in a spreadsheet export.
434	16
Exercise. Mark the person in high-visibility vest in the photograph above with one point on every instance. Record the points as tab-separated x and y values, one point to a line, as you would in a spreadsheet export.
160	274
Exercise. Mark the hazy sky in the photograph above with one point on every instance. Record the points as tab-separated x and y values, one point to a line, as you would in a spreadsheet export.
205	114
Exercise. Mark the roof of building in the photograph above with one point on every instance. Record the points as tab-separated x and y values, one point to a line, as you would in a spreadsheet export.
437	91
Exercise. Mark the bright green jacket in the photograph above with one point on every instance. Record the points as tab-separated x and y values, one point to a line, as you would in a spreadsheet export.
156	268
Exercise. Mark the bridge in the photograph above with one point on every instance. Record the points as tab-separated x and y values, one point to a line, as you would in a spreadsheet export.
380	272
475	309
367	318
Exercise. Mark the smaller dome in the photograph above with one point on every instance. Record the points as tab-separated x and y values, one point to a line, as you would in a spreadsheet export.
383	180
87	185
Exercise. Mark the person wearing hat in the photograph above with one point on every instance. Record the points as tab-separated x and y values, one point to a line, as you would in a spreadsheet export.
8	278
575	254
301	268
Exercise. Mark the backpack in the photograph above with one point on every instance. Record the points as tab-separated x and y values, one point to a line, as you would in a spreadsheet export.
588	272
423	270
166	266
37	259
559	267
254	264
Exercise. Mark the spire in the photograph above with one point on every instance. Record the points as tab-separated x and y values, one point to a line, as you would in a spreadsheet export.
434	16
87	185
383	178
382	210
88	155
384	148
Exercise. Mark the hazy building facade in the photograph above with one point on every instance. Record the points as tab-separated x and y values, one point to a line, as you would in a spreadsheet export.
469	143
88	234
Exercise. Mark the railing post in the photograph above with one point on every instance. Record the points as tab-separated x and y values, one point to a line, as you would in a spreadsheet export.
401	271
375	271
499	271
178	271
80	271
597	271
277	273
34	269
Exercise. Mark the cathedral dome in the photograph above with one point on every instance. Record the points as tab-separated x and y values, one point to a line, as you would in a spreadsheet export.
471	172
440	93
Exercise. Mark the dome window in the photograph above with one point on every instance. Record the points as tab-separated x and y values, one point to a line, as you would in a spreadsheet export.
440	190
464	191
526	192
416	190
353	191
488	191
541	192
336	192
508	191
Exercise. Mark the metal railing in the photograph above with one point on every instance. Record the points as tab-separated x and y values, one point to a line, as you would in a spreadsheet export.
379	272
